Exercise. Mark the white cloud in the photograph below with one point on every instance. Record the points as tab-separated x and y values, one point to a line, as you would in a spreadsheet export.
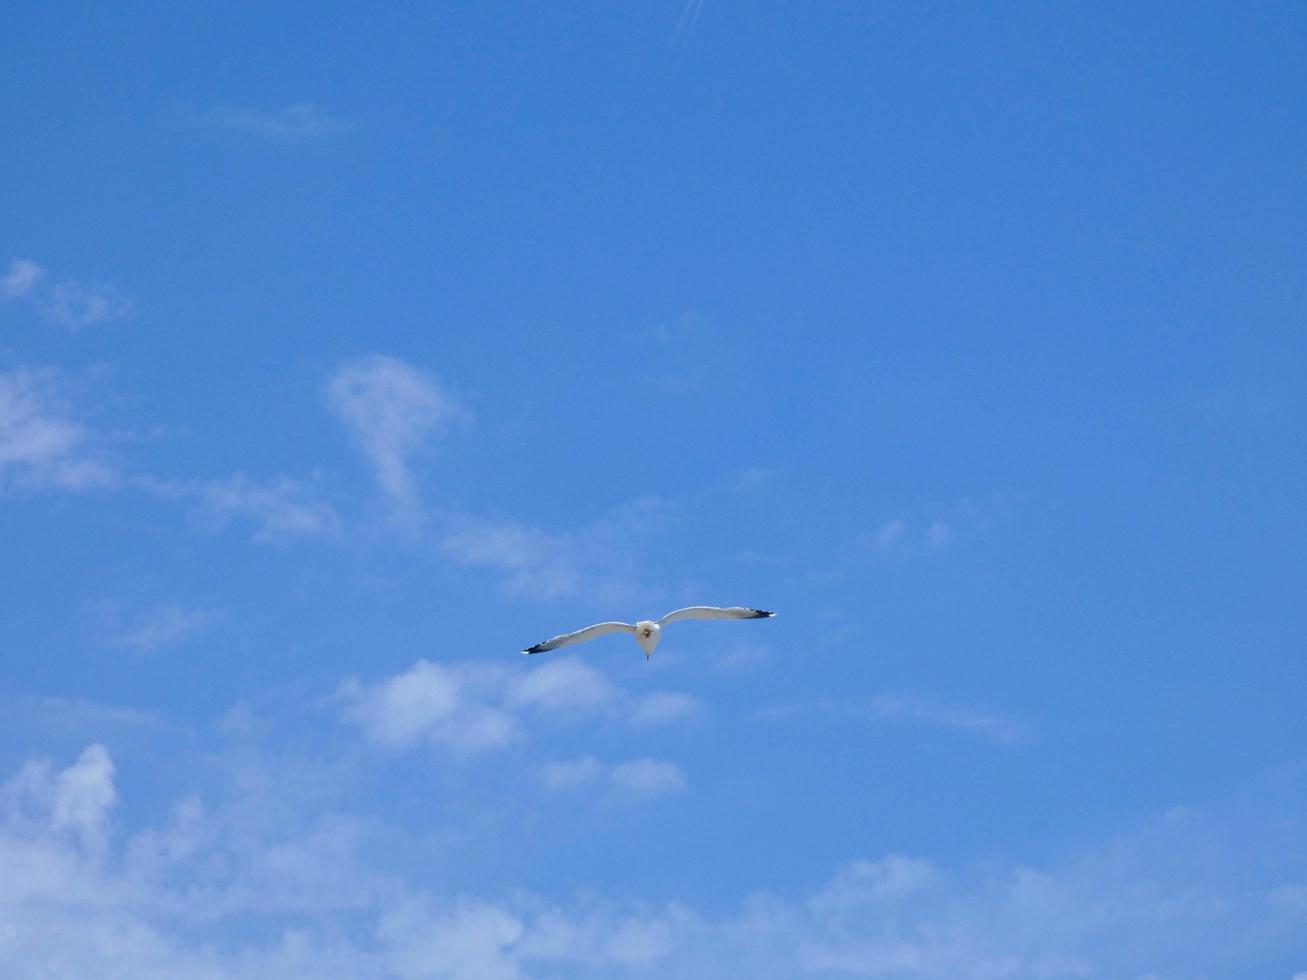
900	708
74	304
938	524
890	532
266	885
598	562
571	773
155	627
83	795
68	303
472	706
300	122
679	374
862	882
73	804
642	778
458	707
742	657
74	904
281	508
46	442
32	433
915	709
79	714
21	279
533	563
41	442
472	941
938	533
649	777
390	408
565	685
666	707
896	533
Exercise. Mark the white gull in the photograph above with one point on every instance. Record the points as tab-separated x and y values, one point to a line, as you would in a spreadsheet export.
648	632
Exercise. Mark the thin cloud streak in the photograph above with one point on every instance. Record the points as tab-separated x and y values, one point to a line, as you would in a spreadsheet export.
67	303
895	708
595	562
157	627
742	657
48	443
666	707
642	778
83	715
300	122
917	710
281	508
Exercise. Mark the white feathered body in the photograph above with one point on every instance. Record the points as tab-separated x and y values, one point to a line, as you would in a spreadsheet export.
647	634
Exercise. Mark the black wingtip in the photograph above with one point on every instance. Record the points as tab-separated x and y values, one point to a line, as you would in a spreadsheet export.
535	649
762	614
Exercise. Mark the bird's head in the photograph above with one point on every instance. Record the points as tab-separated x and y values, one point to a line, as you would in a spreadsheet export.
647	634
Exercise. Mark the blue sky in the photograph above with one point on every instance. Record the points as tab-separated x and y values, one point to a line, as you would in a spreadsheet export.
345	352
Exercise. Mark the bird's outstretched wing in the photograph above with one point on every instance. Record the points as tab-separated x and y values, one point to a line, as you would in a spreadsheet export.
580	636
714	612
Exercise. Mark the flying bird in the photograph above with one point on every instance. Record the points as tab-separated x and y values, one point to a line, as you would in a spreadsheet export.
648	632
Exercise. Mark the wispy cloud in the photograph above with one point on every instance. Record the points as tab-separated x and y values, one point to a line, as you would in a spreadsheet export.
596	561
696	349
75	304
649	777
300	122
390	409
48	442
569	774
153	628
22	277
42	443
666	708
471	707
641	778
1183	895
532	562
918	710
906	709
890	532
938	533
82	715
610	560
73	803
280	508
936	525
742	657
566	686
898	532
459	707
68	302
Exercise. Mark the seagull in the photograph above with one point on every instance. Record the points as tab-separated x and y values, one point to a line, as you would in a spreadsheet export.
648	632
